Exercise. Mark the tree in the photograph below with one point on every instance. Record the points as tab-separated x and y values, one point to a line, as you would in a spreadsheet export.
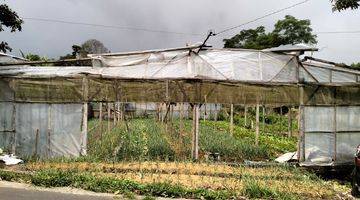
287	31
93	46
8	19
340	5
355	66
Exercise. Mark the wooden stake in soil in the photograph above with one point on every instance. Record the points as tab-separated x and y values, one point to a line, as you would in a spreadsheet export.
36	143
232	119
246	109
195	139
85	117
289	123
109	117
257	130
114	113
181	120
101	119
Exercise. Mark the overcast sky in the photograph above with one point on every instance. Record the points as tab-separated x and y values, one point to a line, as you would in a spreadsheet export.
189	16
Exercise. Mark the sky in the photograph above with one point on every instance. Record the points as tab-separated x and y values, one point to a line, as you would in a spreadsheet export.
185	16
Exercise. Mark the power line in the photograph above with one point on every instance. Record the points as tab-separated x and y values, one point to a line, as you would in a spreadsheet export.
111	26
337	32
262	17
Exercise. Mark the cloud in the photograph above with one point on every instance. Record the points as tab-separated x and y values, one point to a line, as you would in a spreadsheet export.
189	16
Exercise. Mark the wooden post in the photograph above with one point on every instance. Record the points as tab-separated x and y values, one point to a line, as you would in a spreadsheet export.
257	130
49	132
301	149
101	119
216	112
109	117
36	143
280	120
232	119
263	118
181	116
13	124
114	113
85	117
289	123
246	109
195	139
118	111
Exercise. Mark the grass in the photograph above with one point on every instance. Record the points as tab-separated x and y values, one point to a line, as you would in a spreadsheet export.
145	157
183	180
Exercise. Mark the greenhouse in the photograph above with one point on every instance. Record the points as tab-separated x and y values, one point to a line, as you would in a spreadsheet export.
44	109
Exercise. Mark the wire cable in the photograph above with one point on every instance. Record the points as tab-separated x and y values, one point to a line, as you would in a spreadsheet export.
262	17
111	26
338	32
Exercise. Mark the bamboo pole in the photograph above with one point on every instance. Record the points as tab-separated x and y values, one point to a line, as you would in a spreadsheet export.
109	117
245	121
232	119
195	139
118	111
257	130
101	119
49	132
114	113
289	123
301	148
263	118
216	113
36	143
13	123
85	117
181	120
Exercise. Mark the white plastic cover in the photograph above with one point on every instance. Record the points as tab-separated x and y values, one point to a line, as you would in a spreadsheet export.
327	141
58	137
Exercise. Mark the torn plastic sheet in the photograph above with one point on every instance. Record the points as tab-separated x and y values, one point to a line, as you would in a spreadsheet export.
10	159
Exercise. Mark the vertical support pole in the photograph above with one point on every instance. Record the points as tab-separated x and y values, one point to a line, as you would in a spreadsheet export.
114	113
290	122
216	112
13	145
118	111
257	128
301	148
335	132
280	120
263	118
181	116
245	120
49	132
36	143
109	117
85	117
232	119
101	119
195	139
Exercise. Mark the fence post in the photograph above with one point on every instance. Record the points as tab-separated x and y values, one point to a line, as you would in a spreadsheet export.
257	124
232	119
289	123
195	139
85	117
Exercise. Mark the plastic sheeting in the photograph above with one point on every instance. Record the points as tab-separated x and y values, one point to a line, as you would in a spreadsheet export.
332	134
44	130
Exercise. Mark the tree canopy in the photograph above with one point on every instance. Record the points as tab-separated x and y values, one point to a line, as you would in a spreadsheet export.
287	31
8	19
340	5
356	66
